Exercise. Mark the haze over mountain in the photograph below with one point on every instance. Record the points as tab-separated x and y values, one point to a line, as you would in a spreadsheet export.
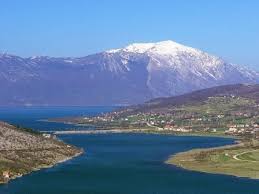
129	75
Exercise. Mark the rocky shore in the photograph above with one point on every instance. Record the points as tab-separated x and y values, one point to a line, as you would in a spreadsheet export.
23	151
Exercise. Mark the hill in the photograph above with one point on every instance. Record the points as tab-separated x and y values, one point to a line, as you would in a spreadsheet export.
23	151
230	109
164	105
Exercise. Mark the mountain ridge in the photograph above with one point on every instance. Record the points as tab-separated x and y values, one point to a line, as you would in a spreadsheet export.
129	75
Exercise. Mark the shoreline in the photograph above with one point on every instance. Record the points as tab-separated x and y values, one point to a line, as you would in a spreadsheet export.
188	160
136	130
144	131
81	151
139	130
63	122
237	143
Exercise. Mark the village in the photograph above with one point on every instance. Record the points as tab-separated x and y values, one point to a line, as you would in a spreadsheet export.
237	124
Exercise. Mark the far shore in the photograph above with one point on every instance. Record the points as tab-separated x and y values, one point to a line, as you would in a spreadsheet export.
240	160
138	130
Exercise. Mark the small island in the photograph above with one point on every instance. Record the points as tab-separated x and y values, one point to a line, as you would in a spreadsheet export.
24	150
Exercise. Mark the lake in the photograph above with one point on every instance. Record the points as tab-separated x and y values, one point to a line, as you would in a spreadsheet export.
118	163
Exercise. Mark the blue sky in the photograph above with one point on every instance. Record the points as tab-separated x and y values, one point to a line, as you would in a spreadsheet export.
227	28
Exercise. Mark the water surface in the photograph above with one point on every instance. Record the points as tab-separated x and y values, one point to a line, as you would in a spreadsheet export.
33	117
124	164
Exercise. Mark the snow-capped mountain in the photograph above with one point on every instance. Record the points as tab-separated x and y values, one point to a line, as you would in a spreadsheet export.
128	75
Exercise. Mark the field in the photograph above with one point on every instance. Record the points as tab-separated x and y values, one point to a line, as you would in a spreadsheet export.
240	160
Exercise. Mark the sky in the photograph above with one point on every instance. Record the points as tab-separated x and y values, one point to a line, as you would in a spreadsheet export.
226	28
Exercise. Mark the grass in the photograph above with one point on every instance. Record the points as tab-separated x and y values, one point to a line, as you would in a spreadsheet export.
29	130
250	156
221	160
218	105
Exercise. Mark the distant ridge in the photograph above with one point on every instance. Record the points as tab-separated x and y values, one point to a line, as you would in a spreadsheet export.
130	75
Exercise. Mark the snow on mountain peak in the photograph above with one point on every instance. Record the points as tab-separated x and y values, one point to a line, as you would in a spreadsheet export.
163	48
6	55
136	73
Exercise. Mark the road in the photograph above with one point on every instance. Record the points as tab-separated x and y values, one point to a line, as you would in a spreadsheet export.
93	131
236	156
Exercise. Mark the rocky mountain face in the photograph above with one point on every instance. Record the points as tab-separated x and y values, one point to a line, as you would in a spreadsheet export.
130	75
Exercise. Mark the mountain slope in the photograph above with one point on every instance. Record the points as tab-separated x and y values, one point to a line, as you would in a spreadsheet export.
196	98
130	75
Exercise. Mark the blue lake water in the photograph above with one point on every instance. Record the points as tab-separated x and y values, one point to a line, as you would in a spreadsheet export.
33	117
119	163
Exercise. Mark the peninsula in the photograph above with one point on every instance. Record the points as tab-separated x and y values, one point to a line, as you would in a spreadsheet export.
24	150
241	160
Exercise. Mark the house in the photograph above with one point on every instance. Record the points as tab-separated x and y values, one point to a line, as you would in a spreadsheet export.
6	174
238	113
231	130
46	135
168	127
183	130
256	133
231	126
241	130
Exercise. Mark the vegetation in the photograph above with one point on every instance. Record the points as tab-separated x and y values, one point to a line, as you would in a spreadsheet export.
29	130
216	115
23	151
240	160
